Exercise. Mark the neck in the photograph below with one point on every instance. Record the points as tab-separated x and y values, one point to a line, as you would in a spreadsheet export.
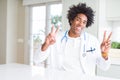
73	35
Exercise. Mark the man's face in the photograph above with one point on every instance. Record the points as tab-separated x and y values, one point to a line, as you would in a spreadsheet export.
78	24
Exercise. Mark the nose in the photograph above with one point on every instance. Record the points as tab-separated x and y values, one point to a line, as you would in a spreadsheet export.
80	22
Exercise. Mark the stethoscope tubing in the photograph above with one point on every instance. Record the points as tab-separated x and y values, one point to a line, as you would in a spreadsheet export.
84	46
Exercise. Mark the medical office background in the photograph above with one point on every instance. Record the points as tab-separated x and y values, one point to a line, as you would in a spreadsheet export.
23	27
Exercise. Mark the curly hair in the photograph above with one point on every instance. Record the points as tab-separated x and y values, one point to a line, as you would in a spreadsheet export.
81	8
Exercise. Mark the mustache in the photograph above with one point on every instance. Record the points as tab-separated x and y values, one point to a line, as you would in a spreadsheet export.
77	28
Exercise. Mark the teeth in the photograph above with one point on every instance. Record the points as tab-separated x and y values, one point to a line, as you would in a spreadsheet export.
79	28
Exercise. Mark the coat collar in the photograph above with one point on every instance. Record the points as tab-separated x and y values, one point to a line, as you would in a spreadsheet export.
82	35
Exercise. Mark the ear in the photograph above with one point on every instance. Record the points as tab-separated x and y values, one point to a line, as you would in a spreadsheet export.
71	22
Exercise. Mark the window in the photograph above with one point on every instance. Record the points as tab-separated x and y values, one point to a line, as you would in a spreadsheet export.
42	18
115	41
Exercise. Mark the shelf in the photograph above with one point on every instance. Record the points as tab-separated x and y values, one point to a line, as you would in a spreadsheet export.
113	18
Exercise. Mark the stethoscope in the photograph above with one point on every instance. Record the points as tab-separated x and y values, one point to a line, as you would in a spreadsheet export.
84	47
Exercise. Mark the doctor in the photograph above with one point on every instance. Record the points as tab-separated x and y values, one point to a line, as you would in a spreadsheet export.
75	49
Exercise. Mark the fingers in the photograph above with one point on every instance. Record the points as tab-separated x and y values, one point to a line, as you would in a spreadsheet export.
109	36
57	29
53	31
106	48
108	43
106	39
50	38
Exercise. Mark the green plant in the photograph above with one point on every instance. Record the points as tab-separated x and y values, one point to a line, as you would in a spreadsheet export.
115	45
56	20
36	37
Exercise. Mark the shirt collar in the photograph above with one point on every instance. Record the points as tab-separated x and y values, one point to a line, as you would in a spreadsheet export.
82	36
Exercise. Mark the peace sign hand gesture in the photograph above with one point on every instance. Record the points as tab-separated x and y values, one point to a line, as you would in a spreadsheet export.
50	38
105	45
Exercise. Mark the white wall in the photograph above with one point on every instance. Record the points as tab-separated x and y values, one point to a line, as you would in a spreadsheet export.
20	32
116	31
3	19
11	46
11	31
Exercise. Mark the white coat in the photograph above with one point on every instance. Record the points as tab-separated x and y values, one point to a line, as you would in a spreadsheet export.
90	53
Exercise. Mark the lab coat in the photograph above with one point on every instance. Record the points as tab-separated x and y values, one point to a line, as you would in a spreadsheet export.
90	53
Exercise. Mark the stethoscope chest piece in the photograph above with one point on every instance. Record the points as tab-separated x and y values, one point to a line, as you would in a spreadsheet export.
84	54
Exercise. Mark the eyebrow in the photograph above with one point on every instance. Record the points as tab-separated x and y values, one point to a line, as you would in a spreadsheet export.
80	18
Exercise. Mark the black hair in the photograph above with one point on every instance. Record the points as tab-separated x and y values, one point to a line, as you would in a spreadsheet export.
81	8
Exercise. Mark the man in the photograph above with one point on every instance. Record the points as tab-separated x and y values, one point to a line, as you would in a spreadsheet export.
76	50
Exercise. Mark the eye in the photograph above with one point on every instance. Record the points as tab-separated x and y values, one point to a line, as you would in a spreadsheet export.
78	19
85	22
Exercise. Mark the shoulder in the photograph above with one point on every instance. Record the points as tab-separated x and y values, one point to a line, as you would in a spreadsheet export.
60	34
92	40
90	36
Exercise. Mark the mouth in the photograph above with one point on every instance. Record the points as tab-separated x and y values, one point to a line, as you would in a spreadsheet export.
78	28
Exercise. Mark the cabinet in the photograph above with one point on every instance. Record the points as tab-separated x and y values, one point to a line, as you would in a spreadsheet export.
113	72
112	9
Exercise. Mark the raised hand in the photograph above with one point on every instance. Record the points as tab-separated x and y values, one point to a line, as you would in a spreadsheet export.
50	38
105	45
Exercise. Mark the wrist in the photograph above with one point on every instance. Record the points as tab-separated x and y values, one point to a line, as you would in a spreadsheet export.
44	46
105	55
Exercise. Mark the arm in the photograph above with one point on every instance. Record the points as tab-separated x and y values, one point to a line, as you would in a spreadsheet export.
44	50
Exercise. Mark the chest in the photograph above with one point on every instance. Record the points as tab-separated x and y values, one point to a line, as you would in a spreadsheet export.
77	48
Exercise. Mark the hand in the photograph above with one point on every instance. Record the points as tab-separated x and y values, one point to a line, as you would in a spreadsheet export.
50	39
105	45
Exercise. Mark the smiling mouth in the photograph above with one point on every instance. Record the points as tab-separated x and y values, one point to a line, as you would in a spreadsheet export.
78	28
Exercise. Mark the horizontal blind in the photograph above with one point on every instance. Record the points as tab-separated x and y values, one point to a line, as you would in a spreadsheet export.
31	2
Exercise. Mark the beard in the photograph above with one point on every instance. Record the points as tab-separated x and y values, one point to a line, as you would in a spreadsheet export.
77	30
